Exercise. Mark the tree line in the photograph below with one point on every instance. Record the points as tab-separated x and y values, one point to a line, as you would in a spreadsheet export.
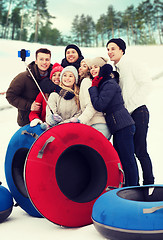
29	20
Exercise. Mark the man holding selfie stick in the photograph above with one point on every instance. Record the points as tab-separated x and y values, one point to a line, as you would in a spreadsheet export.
23	90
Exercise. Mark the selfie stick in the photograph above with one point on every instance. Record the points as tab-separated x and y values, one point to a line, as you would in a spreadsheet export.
23	57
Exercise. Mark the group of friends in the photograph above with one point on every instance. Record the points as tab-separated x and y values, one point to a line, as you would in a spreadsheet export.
109	98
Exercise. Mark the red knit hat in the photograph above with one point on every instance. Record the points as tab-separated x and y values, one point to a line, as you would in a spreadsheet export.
56	68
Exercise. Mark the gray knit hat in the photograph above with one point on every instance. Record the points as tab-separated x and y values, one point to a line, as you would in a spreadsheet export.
70	69
87	61
99	61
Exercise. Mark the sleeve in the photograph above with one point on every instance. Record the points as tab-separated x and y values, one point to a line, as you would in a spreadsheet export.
89	110
52	101
101	99
37	114
14	93
47	86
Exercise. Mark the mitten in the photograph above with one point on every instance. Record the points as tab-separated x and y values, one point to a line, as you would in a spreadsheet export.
44	126
35	121
96	81
54	119
105	71
74	120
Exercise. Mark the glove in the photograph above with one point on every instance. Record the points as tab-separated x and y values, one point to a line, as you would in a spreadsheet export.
35	121
54	119
44	126
74	120
96	81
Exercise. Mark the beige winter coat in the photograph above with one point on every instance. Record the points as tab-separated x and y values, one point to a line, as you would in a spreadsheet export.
65	108
89	115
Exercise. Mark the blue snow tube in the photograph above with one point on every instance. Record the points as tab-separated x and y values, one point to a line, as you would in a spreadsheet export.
6	203
130	213
17	151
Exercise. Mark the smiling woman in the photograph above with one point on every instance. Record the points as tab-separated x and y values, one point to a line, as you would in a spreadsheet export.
66	109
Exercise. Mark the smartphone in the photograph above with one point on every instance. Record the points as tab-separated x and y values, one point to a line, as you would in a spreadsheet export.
23	54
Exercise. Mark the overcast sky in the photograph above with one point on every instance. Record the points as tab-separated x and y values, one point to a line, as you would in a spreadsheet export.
66	10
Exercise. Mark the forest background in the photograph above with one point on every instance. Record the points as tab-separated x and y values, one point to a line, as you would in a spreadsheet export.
30	20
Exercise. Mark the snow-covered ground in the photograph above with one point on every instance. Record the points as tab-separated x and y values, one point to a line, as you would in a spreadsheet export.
22	226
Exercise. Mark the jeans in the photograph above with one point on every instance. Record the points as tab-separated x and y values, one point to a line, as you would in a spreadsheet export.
124	145
141	118
103	128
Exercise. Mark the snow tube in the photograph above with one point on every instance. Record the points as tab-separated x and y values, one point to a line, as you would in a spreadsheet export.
130	213
67	168
17	151
6	203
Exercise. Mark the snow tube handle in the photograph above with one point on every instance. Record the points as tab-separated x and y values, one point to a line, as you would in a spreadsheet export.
121	183
152	210
41	152
34	135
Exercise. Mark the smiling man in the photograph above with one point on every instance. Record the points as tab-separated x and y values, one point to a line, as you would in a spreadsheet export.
135	83
73	56
23	91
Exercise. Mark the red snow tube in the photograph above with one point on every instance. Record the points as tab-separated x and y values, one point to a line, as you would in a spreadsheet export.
67	168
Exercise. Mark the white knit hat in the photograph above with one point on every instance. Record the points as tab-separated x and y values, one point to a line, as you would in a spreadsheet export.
70	69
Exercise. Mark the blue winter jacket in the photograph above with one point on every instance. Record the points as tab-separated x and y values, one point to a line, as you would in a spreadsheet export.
107	98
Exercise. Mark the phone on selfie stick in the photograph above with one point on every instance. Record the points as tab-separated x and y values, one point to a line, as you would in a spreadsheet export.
23	54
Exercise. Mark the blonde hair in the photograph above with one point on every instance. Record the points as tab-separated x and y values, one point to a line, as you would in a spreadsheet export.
75	90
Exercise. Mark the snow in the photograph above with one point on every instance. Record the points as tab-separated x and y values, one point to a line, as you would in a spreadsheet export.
19	224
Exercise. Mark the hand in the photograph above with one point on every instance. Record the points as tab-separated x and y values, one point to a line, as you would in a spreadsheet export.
96	81
35	106
54	119
35	121
44	126
74	120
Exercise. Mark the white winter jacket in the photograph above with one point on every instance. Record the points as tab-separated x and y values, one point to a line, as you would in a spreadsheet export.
134	82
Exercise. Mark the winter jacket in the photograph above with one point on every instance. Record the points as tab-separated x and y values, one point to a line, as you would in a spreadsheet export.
65	108
89	115
107	98
134	81
22	92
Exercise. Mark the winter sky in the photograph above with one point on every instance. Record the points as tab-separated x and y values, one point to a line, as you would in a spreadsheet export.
66	10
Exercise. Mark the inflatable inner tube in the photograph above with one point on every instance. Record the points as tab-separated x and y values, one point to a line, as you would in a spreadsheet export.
67	168
16	154
6	203
130	213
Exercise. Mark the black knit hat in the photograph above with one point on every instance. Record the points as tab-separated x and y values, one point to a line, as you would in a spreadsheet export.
121	44
74	47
